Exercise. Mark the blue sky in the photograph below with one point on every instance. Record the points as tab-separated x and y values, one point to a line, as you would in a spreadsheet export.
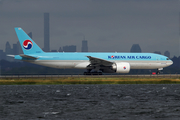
108	25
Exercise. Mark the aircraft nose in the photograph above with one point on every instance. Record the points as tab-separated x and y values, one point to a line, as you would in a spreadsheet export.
170	63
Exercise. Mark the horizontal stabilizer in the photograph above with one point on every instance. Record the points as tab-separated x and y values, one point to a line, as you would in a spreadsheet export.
11	55
28	56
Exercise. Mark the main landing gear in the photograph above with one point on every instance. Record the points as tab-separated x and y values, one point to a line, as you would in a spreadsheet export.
92	73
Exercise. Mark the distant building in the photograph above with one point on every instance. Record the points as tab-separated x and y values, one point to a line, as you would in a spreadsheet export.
157	52
46	32
60	49
2	55
53	50
84	46
8	49
15	49
71	48
30	35
135	48
19	48
167	53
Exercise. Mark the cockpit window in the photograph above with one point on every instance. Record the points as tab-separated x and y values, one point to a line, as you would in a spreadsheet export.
167	59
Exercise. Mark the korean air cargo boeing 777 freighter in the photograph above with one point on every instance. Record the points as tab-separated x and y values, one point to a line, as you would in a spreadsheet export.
104	62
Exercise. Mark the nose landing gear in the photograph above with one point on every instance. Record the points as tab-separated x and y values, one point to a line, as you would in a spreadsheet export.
159	71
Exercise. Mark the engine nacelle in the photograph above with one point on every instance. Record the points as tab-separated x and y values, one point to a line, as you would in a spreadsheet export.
121	67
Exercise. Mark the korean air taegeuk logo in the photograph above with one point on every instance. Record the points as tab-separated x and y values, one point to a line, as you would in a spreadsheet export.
27	44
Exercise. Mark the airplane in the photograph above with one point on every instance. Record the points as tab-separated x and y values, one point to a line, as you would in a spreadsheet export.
105	62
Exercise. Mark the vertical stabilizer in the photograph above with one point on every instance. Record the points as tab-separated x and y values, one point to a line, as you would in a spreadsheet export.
27	44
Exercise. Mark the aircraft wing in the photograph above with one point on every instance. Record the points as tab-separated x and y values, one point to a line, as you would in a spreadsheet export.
28	56
97	61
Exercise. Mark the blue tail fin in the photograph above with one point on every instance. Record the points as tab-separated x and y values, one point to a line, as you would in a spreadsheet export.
27	44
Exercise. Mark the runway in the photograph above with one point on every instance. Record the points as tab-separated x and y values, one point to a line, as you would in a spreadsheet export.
86	76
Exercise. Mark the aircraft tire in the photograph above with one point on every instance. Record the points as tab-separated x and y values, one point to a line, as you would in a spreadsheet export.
92	73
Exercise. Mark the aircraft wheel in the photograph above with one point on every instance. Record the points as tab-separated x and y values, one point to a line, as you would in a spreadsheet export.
158	72
92	73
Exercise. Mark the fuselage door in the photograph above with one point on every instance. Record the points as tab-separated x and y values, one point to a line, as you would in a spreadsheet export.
157	58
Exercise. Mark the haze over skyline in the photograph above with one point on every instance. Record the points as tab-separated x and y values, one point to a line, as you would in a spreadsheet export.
108	25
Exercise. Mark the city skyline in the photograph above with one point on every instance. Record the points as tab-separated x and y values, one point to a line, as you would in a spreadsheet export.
16	49
154	25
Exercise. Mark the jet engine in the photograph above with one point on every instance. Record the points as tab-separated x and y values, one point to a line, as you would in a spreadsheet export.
121	67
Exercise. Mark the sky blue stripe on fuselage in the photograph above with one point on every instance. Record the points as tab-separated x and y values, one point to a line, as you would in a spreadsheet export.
105	56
